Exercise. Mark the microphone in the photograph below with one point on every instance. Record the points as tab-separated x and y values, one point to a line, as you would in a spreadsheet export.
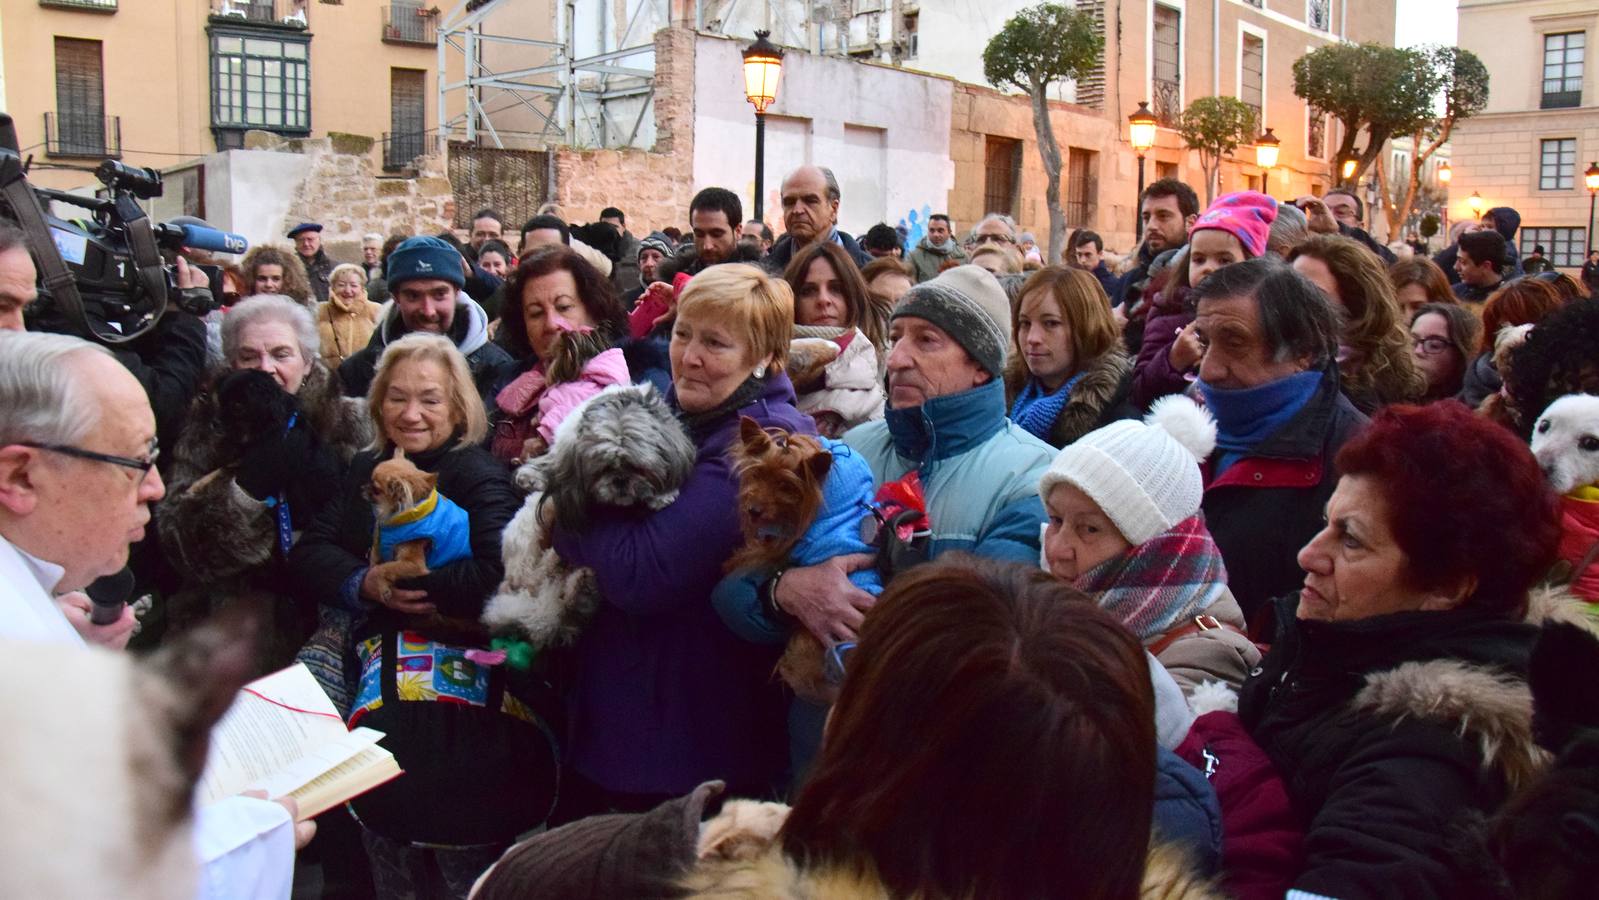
109	595
201	238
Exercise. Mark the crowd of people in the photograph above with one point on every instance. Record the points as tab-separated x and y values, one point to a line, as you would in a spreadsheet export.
1234	565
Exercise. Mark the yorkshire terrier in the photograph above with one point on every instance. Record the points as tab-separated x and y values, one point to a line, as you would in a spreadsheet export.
573	351
405	501
621	448
800	502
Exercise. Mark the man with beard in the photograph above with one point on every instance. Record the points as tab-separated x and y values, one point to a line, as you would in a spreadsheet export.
716	215
937	248
1166	210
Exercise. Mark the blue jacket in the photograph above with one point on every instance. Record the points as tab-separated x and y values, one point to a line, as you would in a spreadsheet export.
979	471
436	520
846	500
663	696
1187	812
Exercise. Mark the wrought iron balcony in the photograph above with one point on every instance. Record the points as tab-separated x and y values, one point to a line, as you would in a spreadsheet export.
290	13
404	23
1168	102
104	6
77	134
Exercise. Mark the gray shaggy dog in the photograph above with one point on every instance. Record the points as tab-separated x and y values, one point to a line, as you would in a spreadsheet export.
621	448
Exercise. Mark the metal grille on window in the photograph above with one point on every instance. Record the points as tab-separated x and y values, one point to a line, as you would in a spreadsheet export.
1082	188
1318	14
1002	165
1557	163
1316	136
1563	56
1252	74
80	123
407	138
1166	73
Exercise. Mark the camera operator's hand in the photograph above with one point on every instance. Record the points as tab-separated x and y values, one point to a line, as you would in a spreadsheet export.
268	466
191	276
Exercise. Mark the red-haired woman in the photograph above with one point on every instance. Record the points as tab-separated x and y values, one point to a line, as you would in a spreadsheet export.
1394	699
1524	301
994	737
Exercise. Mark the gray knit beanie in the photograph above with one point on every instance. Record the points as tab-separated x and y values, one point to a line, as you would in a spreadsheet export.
970	306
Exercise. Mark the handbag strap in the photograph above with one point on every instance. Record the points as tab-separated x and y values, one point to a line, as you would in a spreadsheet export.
1199	624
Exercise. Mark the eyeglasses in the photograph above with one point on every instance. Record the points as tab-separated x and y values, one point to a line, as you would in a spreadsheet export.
142	465
837	657
996	238
1430	346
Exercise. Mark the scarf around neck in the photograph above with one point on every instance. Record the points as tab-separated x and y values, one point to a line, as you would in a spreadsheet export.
1161	583
1037	411
701	424
1245	417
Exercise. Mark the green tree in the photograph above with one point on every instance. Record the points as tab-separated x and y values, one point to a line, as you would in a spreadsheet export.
1215	126
1459	84
1037	47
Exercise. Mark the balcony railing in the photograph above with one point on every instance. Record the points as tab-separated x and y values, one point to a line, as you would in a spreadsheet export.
1168	102
407	24
260	12
106	6
401	148
76	134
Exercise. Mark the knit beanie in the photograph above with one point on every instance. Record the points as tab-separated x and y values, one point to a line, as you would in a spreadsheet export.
1246	215
970	306
424	257
1143	475
657	241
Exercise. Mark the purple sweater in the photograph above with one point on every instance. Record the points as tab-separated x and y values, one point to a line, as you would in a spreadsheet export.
1153	375
664	696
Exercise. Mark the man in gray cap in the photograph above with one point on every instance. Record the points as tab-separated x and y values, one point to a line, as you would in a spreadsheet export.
946	423
307	238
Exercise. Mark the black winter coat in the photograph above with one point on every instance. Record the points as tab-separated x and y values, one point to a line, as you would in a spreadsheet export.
1269	504
1389	732
339	543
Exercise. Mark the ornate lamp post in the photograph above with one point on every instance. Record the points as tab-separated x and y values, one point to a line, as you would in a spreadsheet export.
1266	149
1475	202
763	66
1141	134
1445	173
1590	179
1347	166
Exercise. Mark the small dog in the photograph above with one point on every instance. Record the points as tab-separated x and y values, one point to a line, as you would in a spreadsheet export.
250	406
397	487
418	530
1566	442
623	448
785	518
574	350
808	358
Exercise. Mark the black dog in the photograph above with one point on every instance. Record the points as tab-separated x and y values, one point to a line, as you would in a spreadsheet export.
250	406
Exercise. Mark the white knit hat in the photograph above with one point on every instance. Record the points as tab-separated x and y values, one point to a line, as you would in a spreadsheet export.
1143	475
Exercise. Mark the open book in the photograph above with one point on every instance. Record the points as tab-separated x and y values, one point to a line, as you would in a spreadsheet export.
283	736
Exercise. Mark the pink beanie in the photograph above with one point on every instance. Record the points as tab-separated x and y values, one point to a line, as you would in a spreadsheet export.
1246	215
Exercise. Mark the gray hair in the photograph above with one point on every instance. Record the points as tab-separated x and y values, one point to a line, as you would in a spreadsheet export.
1007	221
1287	230
373	238
270	308
1296	318
42	399
833	192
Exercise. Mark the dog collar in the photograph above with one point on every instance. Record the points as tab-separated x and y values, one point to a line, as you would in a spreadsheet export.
1588	492
418	512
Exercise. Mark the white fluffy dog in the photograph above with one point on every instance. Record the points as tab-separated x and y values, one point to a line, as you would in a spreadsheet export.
1566	442
621	448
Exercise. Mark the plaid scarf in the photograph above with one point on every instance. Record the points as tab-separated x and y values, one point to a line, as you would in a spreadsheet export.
1161	583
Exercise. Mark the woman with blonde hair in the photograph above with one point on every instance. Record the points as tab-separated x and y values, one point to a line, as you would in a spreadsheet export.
479	769
347	318
1070	375
1375	361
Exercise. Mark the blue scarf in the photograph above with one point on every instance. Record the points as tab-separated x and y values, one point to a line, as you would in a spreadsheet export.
1245	417
1037	411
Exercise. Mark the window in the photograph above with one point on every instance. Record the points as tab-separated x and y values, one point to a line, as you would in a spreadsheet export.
1002	170
1091	87
259	82
1318	14
1562	69
79	120
1165	170
912	22
1562	246
1166	65
1557	164
1082	187
407	137
1316	135
1252	73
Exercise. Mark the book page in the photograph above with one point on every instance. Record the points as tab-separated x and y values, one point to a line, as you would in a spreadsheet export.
259	738
355	776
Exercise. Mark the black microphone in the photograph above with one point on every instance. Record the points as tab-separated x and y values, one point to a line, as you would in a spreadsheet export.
109	595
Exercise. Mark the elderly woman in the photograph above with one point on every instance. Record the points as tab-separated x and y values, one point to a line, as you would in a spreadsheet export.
1443	336
261	451
1417	280
663	695
1375	364
1393	698
831	304
993	738
346	321
476	763
1071	375
555	299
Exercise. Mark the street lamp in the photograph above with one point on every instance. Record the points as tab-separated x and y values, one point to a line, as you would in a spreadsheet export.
1266	147
1590	179
1475	202
763	66
1347	165
1141	134
1445	173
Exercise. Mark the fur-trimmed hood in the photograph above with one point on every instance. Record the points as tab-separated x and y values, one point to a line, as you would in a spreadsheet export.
739	858
1095	399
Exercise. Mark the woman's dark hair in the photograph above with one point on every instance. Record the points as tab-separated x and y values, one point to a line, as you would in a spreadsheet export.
1463	330
1524	301
494	246
1560	357
849	278
1423	271
994	737
594	291
1296	318
1466	501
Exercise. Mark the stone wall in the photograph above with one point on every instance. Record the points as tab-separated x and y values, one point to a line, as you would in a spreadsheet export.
654	187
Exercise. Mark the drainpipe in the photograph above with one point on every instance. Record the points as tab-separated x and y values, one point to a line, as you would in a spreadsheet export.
1215	48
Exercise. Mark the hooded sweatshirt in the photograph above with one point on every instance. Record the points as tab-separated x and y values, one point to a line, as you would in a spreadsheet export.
491	366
